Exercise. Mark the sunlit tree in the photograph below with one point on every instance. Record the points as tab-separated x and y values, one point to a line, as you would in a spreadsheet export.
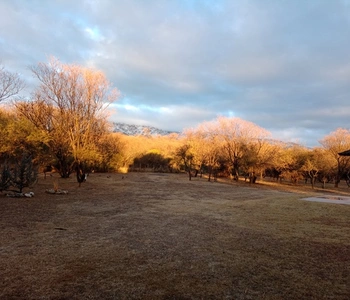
109	148
288	162
70	106
185	154
238	136
318	165
334	143
206	147
195	139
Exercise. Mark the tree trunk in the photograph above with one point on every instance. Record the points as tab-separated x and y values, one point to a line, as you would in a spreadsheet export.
235	171
337	178
64	169
209	172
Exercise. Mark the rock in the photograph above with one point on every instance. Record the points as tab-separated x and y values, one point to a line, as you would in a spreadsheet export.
20	195
29	195
57	192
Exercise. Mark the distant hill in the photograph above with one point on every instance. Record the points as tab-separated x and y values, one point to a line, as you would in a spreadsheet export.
128	129
135	130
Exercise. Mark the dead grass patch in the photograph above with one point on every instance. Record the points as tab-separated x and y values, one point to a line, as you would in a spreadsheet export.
159	236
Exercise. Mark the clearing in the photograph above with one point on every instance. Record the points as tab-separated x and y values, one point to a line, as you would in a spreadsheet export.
160	236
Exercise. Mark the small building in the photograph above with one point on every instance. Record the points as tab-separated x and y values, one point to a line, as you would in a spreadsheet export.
345	153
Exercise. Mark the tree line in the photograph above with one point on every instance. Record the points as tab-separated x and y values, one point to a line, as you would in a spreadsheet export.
63	126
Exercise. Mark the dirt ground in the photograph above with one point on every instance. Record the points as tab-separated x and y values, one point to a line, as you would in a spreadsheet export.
160	236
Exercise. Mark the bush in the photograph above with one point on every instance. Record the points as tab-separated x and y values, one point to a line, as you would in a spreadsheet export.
18	174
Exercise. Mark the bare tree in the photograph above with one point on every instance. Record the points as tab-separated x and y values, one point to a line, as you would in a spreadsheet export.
334	143
237	136
70	105
10	84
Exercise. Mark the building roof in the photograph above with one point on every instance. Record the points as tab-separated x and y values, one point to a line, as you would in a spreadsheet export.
345	153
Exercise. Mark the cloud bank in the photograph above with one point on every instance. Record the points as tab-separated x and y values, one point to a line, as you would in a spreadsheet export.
283	65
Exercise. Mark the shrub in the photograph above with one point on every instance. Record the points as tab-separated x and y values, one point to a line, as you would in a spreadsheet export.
18	174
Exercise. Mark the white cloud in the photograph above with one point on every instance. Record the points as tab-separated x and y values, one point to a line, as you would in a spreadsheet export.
281	64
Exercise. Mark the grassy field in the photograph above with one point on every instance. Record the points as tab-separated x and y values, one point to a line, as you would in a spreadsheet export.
160	236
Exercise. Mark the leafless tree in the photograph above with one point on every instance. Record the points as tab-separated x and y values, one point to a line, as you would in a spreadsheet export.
238	135
70	106
10	84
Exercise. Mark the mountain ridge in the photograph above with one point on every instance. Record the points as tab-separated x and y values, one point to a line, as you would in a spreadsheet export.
129	129
144	130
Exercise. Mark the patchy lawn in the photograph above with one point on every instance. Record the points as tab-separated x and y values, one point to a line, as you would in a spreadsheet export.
160	236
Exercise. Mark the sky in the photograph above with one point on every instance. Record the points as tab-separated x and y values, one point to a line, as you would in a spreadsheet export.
281	64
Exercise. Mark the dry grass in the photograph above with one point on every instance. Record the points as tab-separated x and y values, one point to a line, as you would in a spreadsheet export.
159	236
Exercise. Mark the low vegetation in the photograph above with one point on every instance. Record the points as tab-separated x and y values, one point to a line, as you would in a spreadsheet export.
159	236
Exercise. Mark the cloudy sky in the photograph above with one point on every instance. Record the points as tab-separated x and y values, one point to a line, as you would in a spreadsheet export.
282	64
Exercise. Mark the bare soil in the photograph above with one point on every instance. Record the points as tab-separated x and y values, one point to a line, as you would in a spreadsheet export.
160	236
